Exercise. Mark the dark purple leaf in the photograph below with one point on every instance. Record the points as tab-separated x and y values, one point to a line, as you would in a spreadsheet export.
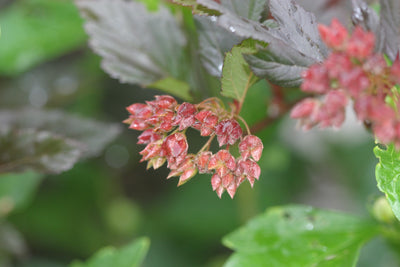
92	135
365	16
293	40
389	38
137	46
41	151
215	41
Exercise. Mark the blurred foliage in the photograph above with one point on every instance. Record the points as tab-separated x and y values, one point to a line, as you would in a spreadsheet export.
34	31
17	191
110	199
130	256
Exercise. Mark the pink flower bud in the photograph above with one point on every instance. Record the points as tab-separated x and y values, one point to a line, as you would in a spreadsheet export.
332	111
207	121
162	102
316	80
219	191
252	146
231	189
156	162
152	150
222	159
248	169
361	44
140	113
216	182
355	81
336	64
334	36
228	132
304	108
186	170
385	131
376	65
227	179
202	161
175	149
185	115
162	120
148	136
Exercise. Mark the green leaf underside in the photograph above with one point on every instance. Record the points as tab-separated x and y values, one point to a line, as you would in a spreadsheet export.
388	175
389	32
132	255
136	46
237	77
37	30
41	151
16	189
92	136
299	236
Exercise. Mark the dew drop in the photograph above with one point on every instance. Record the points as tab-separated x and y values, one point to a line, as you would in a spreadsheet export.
310	226
220	67
330	257
232	29
213	18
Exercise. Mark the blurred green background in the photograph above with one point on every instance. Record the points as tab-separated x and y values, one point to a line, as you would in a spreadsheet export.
50	220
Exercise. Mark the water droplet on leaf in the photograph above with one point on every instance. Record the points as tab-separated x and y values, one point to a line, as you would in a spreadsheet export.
310	226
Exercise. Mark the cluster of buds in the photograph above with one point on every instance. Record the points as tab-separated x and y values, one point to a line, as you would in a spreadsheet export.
164	123
354	72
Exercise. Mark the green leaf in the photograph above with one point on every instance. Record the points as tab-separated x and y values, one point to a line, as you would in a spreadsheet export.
299	236
131	255
151	5
173	86
93	136
44	152
387	175
136	46
237	77
16	190
34	31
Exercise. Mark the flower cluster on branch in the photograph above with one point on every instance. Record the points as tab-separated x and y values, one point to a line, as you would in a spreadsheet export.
354	72
164	123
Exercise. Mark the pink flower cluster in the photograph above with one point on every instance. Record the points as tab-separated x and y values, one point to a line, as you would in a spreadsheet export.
352	72
164	123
